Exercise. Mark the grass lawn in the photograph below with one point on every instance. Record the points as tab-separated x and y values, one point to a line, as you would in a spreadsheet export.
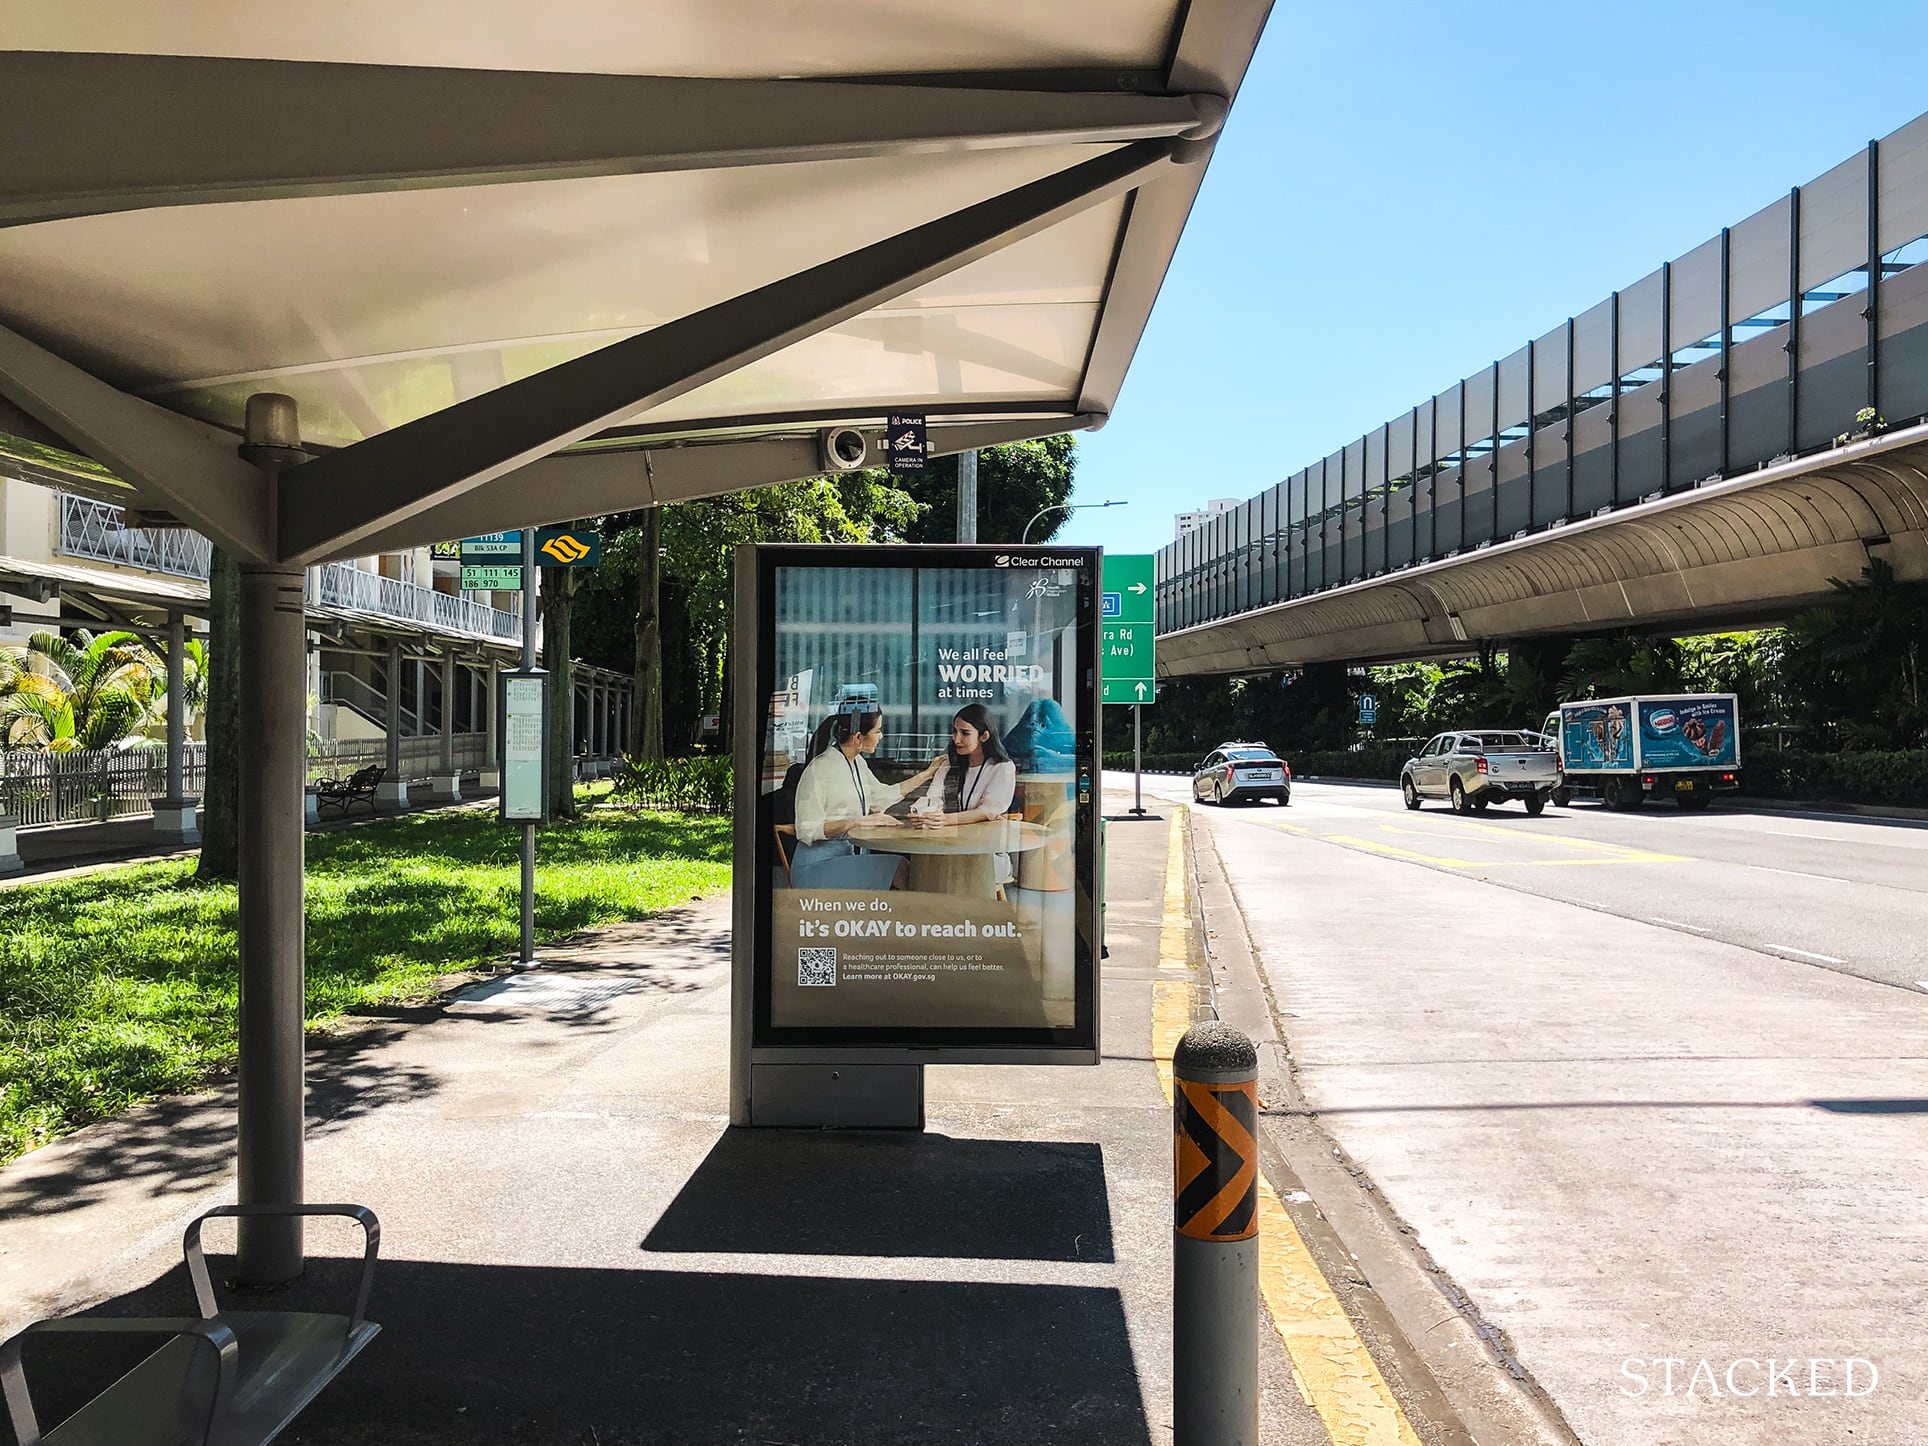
120	986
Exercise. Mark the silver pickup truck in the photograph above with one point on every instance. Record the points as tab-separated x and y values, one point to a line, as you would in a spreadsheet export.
1472	770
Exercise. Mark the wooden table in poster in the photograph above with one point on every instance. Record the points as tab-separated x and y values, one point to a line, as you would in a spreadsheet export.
955	859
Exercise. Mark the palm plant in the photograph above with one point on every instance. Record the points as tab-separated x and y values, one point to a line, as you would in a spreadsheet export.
87	691
194	686
1857	665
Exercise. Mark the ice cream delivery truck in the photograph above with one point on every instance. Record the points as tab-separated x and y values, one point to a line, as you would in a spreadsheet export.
1683	746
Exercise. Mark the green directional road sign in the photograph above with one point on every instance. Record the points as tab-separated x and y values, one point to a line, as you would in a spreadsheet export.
1126	614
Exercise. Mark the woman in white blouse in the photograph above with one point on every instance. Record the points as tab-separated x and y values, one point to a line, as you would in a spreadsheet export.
837	790
975	784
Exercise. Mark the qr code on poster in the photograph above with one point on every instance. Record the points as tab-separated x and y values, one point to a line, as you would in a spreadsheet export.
816	966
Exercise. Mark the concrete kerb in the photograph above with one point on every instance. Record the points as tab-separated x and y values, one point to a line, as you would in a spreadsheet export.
1457	1375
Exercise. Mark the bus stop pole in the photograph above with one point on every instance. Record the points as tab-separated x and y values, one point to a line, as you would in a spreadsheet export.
527	959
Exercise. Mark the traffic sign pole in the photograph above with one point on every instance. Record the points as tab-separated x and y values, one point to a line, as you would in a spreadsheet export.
1137	763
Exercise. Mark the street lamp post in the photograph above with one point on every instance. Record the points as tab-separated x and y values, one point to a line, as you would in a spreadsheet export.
1064	507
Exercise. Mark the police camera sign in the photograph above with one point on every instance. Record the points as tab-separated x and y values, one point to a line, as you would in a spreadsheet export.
906	444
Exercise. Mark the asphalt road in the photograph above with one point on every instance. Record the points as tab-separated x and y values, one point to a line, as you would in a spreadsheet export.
1640	1088
1822	891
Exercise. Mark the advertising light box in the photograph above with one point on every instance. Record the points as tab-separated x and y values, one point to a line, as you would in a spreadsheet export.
925	853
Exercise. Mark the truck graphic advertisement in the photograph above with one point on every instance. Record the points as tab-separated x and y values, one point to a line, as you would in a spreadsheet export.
1689	733
1596	735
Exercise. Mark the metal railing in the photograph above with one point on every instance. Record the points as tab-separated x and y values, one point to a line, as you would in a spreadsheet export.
420	757
95	531
348	690
90	784
336	584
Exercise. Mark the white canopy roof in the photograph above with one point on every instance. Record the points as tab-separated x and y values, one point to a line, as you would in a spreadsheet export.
689	229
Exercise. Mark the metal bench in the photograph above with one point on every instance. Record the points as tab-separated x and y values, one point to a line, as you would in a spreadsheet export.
228	1378
341	794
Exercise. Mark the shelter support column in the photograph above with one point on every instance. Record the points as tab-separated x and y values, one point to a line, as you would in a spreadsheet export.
272	933
391	794
445	786
174	815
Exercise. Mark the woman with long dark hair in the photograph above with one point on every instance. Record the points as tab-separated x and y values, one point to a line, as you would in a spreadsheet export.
836	791
976	782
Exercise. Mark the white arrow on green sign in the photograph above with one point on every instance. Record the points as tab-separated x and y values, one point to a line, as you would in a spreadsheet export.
1128	648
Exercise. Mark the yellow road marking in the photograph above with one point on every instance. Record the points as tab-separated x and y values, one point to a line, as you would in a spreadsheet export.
1334	1370
1371	846
1171	999
1445	862
1627	858
1504	832
1331	1366
1173	946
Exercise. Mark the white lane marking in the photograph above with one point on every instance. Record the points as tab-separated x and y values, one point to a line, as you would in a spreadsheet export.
1791	833
1798	874
1677	924
1807	954
1923	983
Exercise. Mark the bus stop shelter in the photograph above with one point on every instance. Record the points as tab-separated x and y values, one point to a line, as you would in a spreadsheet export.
321	281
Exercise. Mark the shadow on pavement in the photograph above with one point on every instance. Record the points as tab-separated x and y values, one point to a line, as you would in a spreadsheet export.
187	1142
811	1192
529	1356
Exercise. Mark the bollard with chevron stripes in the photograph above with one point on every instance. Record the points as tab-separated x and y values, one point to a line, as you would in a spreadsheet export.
1215	1257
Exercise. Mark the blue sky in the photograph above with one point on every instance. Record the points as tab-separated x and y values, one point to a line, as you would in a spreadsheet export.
1407	190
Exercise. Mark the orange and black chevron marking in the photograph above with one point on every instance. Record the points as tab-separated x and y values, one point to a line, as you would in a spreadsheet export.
1217	1177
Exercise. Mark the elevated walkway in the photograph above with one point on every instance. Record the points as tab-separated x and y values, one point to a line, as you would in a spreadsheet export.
1684	454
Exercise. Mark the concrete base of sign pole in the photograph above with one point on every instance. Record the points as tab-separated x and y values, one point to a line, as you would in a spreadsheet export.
175	822
391	796
445	787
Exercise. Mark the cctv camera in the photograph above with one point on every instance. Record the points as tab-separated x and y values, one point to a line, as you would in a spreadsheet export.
844	449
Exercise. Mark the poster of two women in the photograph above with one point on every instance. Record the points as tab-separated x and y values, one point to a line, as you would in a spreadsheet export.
926	795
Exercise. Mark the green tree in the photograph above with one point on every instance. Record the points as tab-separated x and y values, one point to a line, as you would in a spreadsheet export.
696	551
86	691
1608	667
1013	483
194	687
1853	668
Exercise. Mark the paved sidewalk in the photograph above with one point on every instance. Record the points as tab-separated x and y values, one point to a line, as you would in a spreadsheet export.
576	1249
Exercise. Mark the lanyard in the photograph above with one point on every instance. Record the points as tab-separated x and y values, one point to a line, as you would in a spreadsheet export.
857	779
971	779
